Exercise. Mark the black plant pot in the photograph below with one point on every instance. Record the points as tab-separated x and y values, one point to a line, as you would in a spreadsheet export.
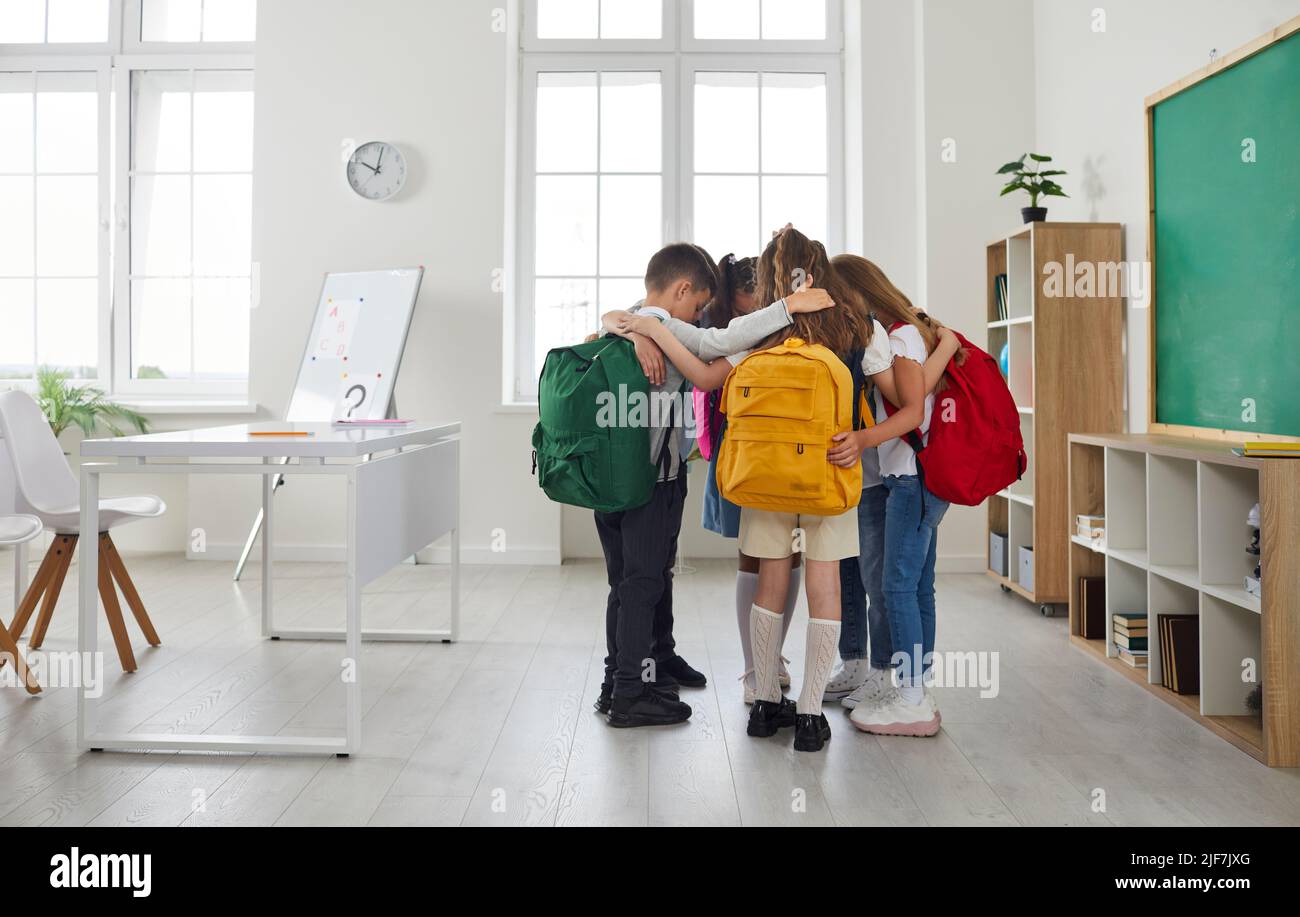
1034	214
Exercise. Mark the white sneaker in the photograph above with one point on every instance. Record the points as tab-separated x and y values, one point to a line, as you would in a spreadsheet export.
877	682
893	716
846	679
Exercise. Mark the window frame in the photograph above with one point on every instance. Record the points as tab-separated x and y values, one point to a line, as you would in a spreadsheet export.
666	66
666	41
833	43
678	57
692	64
82	49
132	13
113	62
100	67
125	66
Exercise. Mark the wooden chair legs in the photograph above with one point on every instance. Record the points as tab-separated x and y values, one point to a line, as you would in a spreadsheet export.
49	564
48	583
63	548
9	650
108	551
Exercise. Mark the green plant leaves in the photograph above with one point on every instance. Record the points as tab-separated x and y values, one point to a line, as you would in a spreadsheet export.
82	406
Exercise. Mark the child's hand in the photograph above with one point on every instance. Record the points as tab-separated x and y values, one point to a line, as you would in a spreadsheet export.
650	357
809	299
591	337
847	450
633	323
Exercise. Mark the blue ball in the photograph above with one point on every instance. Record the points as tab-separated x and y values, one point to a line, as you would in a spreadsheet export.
1004	359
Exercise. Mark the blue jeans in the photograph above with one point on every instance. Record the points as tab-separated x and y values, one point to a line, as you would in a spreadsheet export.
912	516
863	619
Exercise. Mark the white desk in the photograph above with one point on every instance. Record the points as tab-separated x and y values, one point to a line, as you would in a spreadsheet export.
403	493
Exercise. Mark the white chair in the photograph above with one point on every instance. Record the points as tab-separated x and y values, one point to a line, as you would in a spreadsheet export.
16	531
45	487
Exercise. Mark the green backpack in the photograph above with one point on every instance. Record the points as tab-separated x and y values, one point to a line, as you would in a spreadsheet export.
579	456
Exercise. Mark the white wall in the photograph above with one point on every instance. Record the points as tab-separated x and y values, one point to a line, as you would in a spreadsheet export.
429	77
1090	111
978	91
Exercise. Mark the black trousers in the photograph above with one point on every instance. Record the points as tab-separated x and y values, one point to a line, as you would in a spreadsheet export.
640	547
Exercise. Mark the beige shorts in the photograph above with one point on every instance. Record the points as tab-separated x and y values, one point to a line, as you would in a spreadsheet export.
778	535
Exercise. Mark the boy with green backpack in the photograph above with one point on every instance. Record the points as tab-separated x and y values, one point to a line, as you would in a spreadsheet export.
609	440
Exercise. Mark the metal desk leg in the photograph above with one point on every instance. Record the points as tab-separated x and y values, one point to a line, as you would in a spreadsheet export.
351	671
453	631
88	600
268	538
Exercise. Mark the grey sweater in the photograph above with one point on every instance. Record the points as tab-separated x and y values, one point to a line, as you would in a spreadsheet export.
708	344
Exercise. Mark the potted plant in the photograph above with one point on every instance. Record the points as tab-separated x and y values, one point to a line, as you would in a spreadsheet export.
83	406
1033	181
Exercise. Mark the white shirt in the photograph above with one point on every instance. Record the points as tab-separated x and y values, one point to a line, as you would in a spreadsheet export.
896	456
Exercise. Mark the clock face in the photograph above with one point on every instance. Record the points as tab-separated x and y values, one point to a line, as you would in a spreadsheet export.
376	170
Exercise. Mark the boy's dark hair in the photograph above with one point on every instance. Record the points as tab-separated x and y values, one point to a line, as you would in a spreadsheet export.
681	261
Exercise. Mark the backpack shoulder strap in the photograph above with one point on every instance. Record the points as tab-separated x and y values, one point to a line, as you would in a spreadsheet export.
854	363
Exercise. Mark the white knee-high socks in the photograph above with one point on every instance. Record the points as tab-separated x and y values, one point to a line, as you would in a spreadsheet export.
746	587
765	638
820	651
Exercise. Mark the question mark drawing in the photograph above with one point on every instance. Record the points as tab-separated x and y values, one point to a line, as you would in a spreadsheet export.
361	390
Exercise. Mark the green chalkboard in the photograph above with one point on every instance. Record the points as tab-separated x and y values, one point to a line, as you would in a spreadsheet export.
1227	238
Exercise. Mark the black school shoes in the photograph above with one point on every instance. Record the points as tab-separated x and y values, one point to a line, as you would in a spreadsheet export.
811	732
606	698
767	716
652	707
680	671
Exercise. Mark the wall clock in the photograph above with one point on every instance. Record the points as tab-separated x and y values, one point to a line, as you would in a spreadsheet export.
376	170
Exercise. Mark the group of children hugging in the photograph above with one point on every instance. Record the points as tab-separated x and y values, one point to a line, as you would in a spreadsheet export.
868	572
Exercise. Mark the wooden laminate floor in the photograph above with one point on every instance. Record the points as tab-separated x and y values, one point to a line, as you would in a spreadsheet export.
498	728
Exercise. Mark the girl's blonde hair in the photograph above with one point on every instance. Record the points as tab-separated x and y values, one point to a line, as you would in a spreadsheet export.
785	265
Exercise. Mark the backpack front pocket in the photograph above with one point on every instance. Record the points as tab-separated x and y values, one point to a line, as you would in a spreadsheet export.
572	466
772	459
761	390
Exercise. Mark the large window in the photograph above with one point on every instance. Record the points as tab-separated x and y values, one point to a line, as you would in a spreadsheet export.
52	287
126	193
642	123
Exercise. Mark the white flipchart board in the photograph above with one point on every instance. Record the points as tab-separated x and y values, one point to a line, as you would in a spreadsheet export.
357	336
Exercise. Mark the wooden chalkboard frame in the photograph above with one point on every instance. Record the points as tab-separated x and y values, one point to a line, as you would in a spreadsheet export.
1248	50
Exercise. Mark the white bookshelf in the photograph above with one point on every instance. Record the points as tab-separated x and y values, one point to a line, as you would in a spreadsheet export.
1176	537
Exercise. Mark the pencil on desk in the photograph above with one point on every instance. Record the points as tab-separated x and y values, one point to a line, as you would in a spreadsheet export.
280	433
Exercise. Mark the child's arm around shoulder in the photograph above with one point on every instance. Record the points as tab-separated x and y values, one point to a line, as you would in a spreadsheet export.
704	376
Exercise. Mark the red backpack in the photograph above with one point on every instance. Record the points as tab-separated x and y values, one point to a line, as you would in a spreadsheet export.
974	448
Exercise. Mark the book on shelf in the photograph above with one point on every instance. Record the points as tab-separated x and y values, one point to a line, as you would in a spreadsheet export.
1000	296
1130	643
1092	607
1091	527
1180	653
1133	628
1135	658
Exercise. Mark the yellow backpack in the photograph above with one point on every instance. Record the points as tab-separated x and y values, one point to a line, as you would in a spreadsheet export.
783	405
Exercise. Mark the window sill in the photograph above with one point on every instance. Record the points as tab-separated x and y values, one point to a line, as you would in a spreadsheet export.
517	407
232	406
